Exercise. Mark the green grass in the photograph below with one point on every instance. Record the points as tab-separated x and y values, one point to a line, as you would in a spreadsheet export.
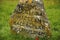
6	9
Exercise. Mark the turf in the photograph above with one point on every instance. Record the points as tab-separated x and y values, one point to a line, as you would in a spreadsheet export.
6	9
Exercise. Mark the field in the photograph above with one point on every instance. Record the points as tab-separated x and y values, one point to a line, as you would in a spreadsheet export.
6	9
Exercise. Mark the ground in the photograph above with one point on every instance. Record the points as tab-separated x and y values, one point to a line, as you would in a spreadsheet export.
6	9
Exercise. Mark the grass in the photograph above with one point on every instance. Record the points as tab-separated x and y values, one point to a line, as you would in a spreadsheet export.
6	9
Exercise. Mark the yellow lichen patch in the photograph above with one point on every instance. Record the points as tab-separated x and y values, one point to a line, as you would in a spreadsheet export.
22	1
29	1
25	1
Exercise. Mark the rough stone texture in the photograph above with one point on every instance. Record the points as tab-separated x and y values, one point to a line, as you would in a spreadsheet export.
30	19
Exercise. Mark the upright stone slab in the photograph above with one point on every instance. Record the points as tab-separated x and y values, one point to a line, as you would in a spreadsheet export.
29	19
